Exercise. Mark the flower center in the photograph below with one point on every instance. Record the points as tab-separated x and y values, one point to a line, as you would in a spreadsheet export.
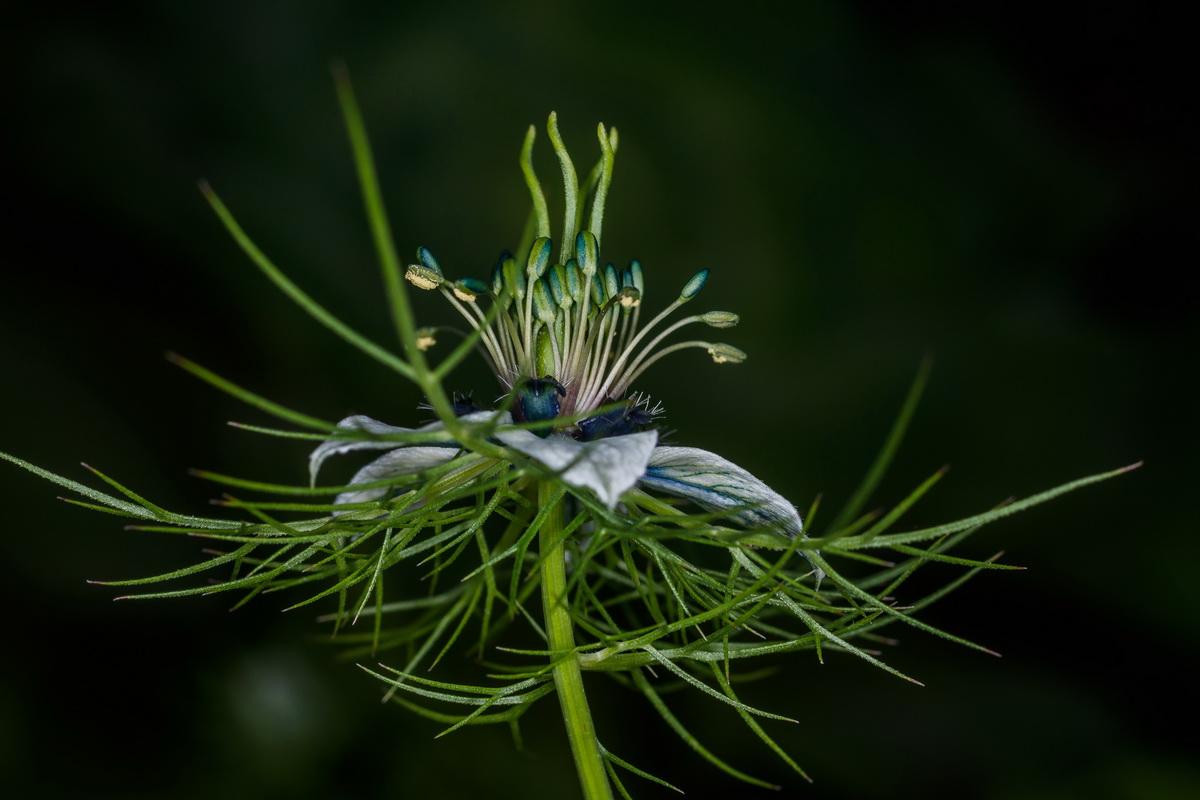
569	318
537	400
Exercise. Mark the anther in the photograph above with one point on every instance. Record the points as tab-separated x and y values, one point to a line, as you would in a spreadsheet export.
720	319
426	258
725	353
587	252
426	338
693	287
539	258
543	307
423	277
467	289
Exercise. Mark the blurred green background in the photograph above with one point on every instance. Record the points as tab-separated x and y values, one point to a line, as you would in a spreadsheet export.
869	182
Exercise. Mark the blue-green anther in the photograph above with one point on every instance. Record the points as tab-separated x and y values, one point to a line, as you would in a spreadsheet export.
514	279
693	287
574	281
612	283
597	284
557	278
468	288
426	258
498	278
720	319
539	258
587	253
639	282
543	305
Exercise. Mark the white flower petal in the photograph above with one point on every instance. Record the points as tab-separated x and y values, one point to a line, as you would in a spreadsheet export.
717	484
609	467
399	462
337	447
358	422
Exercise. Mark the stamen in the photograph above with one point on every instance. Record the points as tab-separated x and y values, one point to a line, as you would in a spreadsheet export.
577	321
423	277
616	385
726	353
426	338
720	319
479	323
721	354
467	289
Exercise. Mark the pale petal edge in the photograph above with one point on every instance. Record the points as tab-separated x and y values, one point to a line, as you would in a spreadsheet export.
717	484
399	462
365	424
337	447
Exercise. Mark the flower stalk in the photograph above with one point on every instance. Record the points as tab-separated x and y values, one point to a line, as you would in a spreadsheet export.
560	633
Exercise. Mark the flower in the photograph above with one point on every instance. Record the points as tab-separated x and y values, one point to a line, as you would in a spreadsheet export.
562	337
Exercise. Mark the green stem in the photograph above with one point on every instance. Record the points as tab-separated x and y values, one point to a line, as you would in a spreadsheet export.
568	678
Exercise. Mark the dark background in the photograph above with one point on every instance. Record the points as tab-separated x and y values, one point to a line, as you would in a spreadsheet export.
869	182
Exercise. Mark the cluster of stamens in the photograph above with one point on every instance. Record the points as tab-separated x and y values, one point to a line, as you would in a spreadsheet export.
565	335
